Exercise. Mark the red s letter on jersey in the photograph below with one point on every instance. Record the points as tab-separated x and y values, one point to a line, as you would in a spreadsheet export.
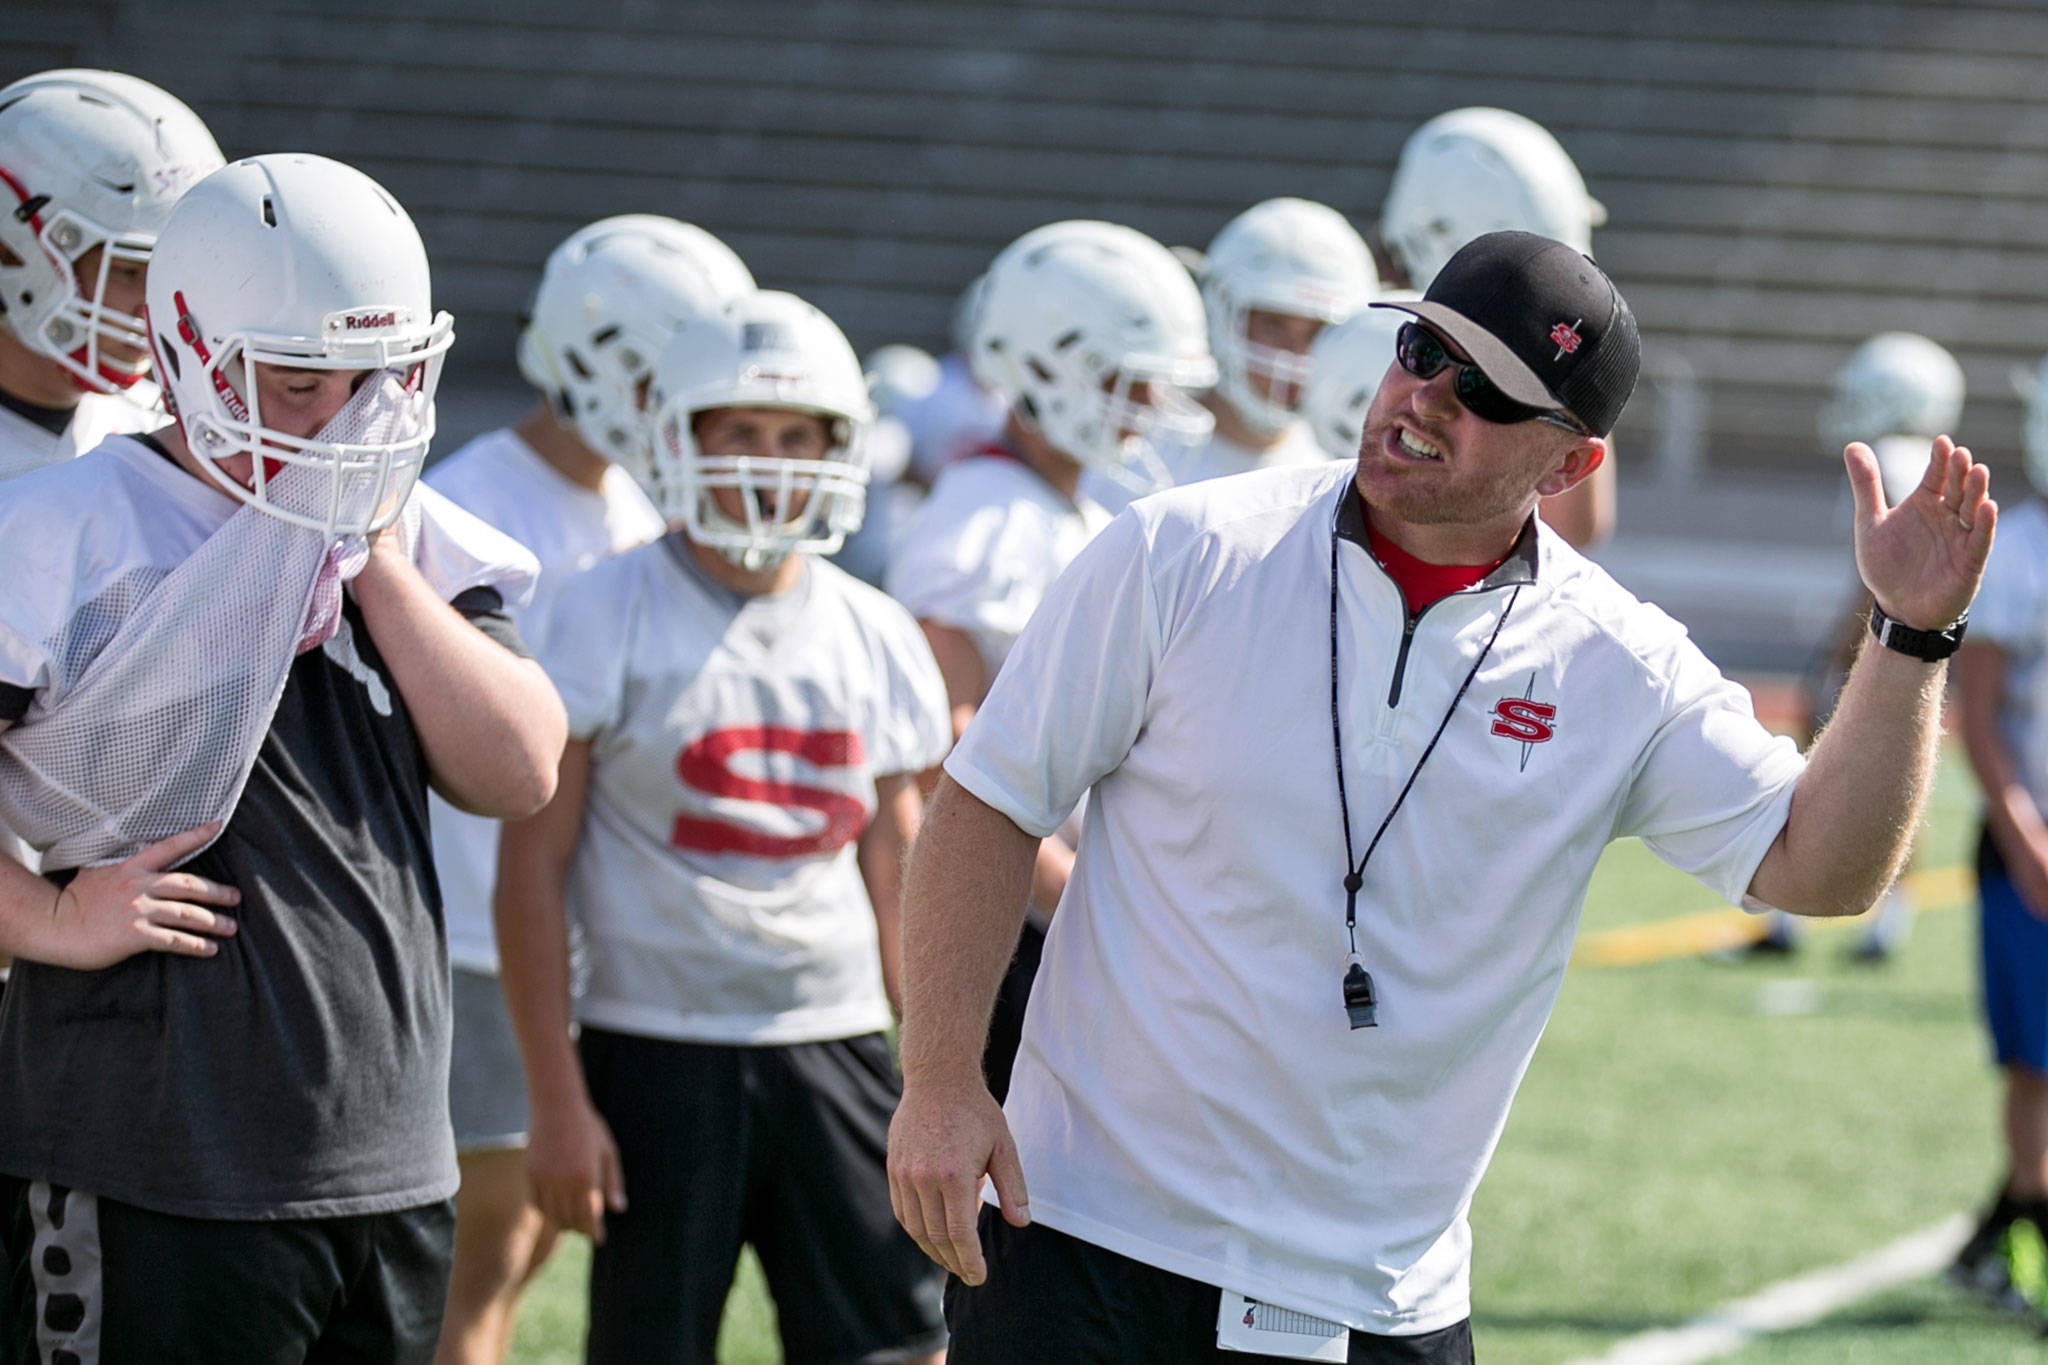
703	765
1520	718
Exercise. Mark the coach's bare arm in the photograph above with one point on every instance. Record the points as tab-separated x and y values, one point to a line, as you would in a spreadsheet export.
489	721
1855	809
963	905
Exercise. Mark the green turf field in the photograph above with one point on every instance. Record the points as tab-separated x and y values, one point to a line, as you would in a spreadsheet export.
1690	1132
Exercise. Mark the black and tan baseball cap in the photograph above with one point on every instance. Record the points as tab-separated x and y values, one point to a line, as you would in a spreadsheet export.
1542	321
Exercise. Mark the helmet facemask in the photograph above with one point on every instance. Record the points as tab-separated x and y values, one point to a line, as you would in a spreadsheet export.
49	312
788	504
352	477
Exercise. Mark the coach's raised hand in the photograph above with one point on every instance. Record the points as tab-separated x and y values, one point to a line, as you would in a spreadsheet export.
1922	559
108	914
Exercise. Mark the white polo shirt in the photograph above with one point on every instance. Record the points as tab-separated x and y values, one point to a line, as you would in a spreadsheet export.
1189	1092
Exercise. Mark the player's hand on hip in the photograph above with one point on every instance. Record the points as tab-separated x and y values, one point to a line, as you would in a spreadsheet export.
109	914
943	1140
572	1165
1922	559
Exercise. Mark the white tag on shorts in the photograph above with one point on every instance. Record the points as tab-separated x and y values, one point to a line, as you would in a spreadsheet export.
1244	1324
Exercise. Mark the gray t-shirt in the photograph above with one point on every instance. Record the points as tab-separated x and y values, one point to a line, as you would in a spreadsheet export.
302	1071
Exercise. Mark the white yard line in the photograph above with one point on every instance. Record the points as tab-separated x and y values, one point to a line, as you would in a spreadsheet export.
1797	1302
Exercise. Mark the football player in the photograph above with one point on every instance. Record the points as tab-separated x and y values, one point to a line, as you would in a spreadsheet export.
1097	334
608	300
1272	280
1346	364
1895	393
748	725
91	163
1472	171
251	646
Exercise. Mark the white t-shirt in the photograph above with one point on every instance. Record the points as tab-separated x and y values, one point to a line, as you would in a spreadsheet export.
735	744
26	444
2011	611
984	549
1216	458
500	479
1188	1092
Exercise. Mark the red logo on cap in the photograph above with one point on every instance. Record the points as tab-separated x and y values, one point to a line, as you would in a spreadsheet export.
1566	335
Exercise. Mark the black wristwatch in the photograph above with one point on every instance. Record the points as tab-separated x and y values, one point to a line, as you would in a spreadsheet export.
1930	645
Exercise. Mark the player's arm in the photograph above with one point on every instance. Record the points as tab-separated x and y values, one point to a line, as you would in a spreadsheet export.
963	905
899	806
571	1161
1853	813
2014	820
967	681
489	721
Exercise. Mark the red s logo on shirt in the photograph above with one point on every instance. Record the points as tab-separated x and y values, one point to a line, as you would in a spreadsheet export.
705	766
1523	719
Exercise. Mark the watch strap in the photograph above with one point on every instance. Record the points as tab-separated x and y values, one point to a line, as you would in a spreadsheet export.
1929	645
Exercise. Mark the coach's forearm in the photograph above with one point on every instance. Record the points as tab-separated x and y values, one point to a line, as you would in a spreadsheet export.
963	905
1866	782
27	904
489	721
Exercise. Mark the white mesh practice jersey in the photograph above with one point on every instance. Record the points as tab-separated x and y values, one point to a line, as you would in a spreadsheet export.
500	479
24	445
735	744
152	616
984	549
1215	458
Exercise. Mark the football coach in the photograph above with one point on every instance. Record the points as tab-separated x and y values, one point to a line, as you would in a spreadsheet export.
1356	736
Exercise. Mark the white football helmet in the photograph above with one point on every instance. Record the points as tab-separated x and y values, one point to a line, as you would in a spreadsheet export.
1347	361
1894	384
93	159
1284	256
299	261
609	298
1473	171
765	350
1073	318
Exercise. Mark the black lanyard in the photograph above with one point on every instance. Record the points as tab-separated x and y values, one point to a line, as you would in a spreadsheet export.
1361	1003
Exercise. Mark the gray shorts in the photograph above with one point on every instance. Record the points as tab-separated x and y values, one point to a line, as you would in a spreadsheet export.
486	1088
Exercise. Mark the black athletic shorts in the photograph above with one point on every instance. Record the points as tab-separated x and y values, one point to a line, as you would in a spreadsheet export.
781	1147
89	1279
1051	1297
1006	1022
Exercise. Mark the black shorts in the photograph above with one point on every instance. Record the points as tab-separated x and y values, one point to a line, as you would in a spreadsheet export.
91	1279
781	1147
1006	1022
1051	1297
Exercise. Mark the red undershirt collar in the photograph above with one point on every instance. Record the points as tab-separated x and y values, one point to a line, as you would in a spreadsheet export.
1422	583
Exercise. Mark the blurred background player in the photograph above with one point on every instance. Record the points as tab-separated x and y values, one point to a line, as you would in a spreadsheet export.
608	300
749	723
1271	281
1895	393
1472	171
961	411
900	380
227	1138
91	163
2001	701
1346	363
1097	334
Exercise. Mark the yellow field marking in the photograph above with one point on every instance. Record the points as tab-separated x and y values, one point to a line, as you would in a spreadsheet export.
1636	945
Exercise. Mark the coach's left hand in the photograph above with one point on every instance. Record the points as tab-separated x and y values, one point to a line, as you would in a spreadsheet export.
1922	559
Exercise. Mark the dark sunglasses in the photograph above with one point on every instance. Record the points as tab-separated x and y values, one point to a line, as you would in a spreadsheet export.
1422	353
